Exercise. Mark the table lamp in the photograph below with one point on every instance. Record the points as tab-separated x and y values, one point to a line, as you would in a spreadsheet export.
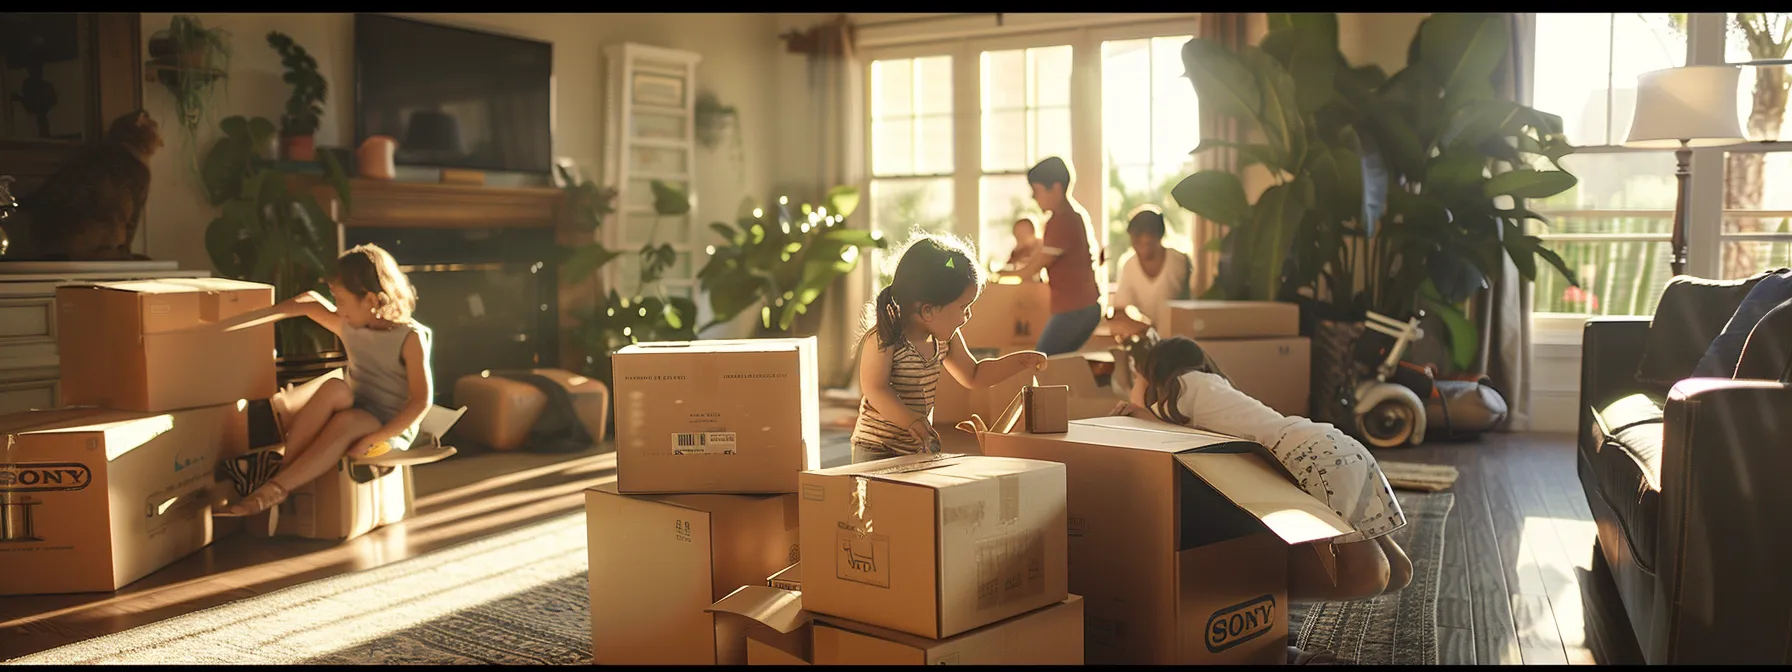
1680	109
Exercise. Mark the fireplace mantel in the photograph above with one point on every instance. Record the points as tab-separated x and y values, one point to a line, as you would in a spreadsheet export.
383	203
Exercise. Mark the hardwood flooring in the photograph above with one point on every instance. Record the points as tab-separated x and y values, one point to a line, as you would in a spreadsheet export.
1517	569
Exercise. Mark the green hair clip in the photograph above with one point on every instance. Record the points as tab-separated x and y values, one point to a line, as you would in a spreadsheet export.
950	261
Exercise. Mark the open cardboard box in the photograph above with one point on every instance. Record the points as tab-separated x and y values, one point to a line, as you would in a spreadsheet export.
1178	539
953	403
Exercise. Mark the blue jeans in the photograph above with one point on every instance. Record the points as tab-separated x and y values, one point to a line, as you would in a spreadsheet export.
1068	331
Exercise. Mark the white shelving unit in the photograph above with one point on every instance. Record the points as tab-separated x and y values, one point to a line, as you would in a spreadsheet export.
650	134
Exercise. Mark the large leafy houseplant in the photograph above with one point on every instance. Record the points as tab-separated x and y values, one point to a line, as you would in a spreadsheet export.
783	264
1389	193
266	230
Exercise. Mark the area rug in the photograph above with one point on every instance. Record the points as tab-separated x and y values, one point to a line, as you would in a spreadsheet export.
516	598
1397	629
1416	476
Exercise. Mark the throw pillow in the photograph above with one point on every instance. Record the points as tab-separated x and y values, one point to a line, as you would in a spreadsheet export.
1726	349
1768	353
1692	312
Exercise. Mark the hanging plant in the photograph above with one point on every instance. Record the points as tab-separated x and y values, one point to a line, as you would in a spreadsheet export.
193	63
713	120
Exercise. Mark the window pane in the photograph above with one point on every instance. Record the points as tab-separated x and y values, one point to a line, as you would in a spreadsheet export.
1577	92
1616	181
1125	109
1743	259
1005	198
1051	135
1616	279
1767	84
934	146
1005	141
892	88
898	206
1051	76
1004	79
933	91
893	146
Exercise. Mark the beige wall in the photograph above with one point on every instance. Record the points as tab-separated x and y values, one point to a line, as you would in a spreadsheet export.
737	49
1380	38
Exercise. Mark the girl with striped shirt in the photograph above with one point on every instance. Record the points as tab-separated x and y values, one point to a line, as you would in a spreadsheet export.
914	336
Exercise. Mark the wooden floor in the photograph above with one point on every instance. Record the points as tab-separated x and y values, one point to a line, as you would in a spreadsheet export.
1518	550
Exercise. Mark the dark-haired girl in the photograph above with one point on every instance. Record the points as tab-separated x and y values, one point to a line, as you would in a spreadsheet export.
913	336
1175	382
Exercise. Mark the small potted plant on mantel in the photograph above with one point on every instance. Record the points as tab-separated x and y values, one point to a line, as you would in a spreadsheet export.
304	109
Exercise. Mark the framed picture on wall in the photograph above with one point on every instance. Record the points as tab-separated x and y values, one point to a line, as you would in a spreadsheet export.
660	90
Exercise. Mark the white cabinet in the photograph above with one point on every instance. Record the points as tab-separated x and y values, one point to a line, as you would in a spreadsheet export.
649	135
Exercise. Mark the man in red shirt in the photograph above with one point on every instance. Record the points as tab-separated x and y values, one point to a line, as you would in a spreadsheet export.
1068	254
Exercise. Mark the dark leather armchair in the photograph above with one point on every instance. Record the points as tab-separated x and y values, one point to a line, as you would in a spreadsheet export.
1690	479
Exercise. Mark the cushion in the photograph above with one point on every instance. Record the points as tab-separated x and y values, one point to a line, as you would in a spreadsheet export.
1625	468
1692	312
1726	349
1768	353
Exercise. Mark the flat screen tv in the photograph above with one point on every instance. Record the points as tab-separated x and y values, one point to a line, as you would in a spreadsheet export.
452	97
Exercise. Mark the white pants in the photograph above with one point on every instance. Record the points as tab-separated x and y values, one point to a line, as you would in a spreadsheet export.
1338	470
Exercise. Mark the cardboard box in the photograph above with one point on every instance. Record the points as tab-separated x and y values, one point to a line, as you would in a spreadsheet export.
1202	320
659	561
1052	635
500	411
1008	314
1174	533
790	578
760	625
953	403
91	500
1275	371
138	345
740	416
934	545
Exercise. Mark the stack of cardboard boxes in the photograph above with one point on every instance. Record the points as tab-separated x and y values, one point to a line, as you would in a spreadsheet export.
1256	343
696	549
118	485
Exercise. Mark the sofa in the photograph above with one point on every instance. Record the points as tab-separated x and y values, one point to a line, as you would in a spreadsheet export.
1690	479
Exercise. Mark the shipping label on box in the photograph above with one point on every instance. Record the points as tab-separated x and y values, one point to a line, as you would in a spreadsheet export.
1156	512
791	578
737	416
91	500
1051	635
933	545
1275	371
659	562
1202	320
147	346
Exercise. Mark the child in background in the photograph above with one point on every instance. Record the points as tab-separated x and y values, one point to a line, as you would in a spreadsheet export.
1068	253
1175	382
378	409
913	336
1026	244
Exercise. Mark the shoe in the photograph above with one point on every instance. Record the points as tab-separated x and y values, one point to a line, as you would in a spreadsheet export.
247	472
265	498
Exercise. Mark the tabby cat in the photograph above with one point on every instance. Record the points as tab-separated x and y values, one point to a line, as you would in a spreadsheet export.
90	208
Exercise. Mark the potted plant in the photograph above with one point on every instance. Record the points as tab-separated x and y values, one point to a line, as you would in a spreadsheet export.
1390	193
782	264
304	108
192	62
267	231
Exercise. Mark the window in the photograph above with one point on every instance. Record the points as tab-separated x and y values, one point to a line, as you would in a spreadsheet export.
911	145
1025	119
1757	220
1150	123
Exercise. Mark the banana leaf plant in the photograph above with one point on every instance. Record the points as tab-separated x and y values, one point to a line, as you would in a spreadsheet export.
783	264
1390	192
266	231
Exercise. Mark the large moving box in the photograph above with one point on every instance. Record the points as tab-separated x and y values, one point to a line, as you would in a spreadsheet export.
1052	635
1275	371
1009	315
1201	320
140	345
1179	539
933	545
91	500
740	416
658	562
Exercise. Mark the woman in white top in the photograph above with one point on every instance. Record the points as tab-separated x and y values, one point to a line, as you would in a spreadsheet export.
1151	275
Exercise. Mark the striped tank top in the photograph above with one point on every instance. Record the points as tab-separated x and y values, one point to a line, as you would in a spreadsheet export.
914	377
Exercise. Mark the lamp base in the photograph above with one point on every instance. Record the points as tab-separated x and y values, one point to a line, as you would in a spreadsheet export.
460	176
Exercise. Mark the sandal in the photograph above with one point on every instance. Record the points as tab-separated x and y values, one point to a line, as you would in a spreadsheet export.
249	471
266	498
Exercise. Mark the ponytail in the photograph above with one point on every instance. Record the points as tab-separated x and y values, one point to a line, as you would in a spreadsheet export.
887	321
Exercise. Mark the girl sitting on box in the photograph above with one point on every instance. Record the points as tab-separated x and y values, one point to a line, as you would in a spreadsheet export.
1175	382
913	336
378	409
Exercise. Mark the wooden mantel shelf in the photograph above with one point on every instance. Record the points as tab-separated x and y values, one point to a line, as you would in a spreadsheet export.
383	203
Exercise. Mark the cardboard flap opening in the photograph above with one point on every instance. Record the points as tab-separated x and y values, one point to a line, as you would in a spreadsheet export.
1260	490
780	610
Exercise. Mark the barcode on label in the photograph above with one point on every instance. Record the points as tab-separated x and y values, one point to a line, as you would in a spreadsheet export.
703	443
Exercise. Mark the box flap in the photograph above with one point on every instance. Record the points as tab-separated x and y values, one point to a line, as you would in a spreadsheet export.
439	419
181	285
1128	432
61	418
780	610
1262	491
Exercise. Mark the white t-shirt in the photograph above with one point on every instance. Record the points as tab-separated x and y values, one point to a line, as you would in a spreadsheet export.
1211	403
1150	294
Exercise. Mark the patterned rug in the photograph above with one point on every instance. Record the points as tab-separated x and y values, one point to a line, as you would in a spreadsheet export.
1397	629
517	598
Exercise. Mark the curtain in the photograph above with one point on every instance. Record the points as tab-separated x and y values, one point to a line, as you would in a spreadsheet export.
837	104
1505	312
1228	29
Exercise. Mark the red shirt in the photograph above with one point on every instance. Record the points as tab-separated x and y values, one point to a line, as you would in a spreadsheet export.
1072	274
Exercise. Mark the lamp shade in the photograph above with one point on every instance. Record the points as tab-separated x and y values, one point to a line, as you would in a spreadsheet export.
1695	105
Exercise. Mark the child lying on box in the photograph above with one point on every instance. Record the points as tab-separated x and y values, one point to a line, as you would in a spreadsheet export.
1175	382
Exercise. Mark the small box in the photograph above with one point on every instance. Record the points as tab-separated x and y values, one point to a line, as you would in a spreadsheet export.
727	416
1275	371
500	411
953	403
144	346
1175	533
760	625
91	500
790	578
658	562
1008	315
934	545
1051	635
1202	320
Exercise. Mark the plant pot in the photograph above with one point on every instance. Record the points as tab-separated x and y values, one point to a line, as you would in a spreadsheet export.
298	147
1335	372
